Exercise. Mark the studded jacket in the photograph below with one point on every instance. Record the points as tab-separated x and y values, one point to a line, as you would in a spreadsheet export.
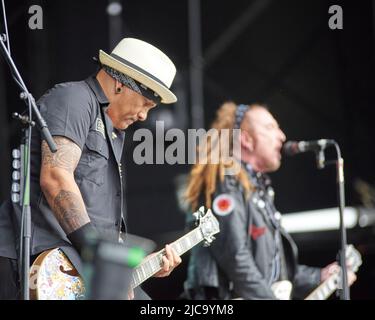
252	250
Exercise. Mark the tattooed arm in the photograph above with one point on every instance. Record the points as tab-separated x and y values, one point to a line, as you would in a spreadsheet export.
58	184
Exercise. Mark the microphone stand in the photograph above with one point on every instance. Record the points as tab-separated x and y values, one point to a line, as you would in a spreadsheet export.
25	232
344	292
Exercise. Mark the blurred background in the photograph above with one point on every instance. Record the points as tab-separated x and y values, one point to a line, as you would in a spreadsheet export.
318	82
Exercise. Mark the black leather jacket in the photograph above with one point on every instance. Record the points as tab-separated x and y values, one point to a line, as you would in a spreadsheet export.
241	261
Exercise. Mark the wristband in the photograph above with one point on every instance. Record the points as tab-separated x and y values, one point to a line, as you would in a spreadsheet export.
79	237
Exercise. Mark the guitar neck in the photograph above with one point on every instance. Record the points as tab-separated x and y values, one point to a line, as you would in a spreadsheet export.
154	263
325	289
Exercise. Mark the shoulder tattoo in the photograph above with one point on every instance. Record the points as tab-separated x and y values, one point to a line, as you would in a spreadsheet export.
66	157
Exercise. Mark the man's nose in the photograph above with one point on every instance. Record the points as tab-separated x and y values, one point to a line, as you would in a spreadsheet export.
282	135
142	116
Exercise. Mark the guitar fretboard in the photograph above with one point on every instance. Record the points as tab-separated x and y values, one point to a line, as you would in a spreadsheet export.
325	289
154	263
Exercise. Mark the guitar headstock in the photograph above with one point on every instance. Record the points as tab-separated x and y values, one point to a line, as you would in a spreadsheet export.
353	258
207	223
325	289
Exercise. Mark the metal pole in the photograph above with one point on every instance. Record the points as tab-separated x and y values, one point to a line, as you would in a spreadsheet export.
196	65
345	292
25	283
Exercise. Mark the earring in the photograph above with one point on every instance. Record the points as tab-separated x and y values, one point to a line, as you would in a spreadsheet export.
118	90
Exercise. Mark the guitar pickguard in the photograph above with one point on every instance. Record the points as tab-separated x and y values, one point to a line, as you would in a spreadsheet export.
60	281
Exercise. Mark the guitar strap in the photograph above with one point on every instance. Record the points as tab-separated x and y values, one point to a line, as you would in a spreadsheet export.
280	254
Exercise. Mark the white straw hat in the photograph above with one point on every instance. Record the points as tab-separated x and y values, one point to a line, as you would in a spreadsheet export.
144	63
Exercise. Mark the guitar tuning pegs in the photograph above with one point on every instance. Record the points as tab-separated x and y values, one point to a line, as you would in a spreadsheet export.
201	210
200	213
196	215
208	241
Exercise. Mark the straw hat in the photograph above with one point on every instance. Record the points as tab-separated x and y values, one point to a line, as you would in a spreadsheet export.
144	63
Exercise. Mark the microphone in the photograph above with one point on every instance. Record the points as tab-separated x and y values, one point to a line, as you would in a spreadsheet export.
290	148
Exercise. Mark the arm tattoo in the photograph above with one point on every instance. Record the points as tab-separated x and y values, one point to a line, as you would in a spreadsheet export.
69	211
66	157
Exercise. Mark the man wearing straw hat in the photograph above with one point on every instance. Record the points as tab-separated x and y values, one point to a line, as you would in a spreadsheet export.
79	189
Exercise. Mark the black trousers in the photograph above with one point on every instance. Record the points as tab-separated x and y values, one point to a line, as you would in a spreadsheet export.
9	281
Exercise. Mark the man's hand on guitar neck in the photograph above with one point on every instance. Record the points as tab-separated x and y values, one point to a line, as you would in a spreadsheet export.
131	294
170	261
334	268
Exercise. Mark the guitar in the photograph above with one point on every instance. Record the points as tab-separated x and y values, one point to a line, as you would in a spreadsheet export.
53	277
283	289
325	289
